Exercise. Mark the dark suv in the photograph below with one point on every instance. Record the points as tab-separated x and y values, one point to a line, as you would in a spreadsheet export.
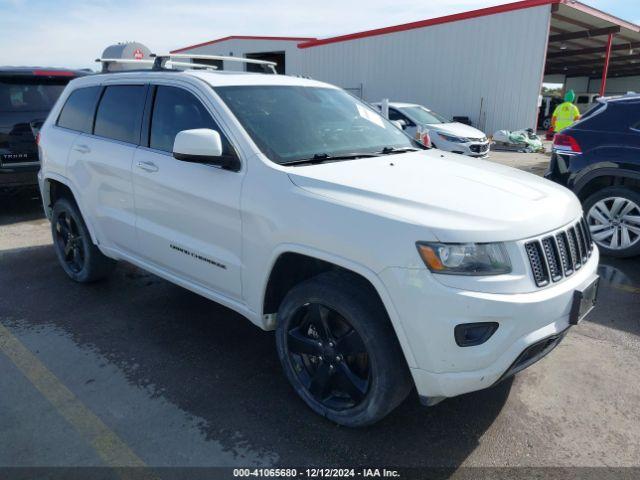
26	96
599	159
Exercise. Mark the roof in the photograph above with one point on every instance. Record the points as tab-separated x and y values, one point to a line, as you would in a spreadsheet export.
483	12
213	78
242	37
43	71
630	97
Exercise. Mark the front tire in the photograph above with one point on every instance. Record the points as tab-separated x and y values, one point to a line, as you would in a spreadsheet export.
81	260
613	216
339	350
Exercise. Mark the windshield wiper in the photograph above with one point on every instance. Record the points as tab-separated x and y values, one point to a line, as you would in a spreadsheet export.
392	150
325	157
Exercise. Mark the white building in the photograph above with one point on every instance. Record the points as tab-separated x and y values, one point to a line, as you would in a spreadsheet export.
487	65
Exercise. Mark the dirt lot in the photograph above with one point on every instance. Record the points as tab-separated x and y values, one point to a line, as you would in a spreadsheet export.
136	371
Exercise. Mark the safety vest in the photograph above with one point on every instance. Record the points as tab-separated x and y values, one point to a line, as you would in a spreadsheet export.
566	114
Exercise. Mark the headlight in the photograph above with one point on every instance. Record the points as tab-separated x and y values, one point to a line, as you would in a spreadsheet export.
465	258
453	138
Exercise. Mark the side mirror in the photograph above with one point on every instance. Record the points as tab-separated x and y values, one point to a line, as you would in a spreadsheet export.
401	124
203	145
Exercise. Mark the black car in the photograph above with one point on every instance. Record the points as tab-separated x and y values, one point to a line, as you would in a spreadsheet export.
27	94
599	159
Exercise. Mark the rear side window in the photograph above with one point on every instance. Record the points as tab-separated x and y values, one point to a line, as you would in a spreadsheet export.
29	94
175	110
77	113
120	113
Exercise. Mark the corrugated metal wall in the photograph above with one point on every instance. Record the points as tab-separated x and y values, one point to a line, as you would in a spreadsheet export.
497	60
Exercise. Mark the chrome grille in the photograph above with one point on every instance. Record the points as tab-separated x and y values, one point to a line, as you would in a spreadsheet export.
557	256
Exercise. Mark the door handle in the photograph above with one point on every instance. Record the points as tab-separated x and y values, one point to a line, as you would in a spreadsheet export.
82	149
148	166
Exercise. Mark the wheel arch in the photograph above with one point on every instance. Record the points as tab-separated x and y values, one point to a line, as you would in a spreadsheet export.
55	187
606	177
292	264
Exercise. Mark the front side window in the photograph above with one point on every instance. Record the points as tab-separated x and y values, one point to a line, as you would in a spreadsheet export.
120	113
294	123
175	110
77	112
424	116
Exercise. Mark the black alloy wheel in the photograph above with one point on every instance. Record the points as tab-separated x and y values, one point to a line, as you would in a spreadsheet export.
81	260
70	242
328	356
339	350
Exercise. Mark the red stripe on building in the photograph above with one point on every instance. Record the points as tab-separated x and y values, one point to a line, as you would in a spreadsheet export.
241	37
483	12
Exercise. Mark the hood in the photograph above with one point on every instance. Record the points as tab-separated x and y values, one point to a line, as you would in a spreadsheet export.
458	129
458	199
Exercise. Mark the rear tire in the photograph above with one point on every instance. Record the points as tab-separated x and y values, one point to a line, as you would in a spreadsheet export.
613	215
81	260
339	350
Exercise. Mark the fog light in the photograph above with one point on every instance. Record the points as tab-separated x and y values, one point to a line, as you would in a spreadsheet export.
472	334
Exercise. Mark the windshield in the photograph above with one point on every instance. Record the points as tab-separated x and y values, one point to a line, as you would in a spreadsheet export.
29	95
423	116
294	123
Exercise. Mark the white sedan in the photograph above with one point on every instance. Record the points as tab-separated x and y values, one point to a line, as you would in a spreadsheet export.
445	135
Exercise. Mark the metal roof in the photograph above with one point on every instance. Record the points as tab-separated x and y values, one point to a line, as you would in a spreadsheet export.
242	37
578	40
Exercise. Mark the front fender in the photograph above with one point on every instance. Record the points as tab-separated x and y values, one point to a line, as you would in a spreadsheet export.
349	265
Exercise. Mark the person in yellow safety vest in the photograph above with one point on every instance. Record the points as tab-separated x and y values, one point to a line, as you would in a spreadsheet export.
565	114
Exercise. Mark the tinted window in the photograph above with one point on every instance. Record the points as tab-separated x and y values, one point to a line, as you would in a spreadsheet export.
20	94
120	112
396	115
425	116
77	113
175	110
583	99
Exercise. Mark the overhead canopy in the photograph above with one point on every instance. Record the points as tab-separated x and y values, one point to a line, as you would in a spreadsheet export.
578	41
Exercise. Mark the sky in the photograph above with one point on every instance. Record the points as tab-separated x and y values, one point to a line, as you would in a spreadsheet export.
71	33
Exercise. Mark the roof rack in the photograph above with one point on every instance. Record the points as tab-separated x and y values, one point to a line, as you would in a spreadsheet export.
161	62
107	61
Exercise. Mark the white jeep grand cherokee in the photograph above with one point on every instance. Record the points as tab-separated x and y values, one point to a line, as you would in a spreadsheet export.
381	266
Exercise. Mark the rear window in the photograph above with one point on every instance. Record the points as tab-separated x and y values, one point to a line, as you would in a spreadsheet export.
593	110
77	112
20	94
120	113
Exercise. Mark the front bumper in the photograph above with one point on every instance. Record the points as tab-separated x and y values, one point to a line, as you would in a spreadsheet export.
471	149
429	312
